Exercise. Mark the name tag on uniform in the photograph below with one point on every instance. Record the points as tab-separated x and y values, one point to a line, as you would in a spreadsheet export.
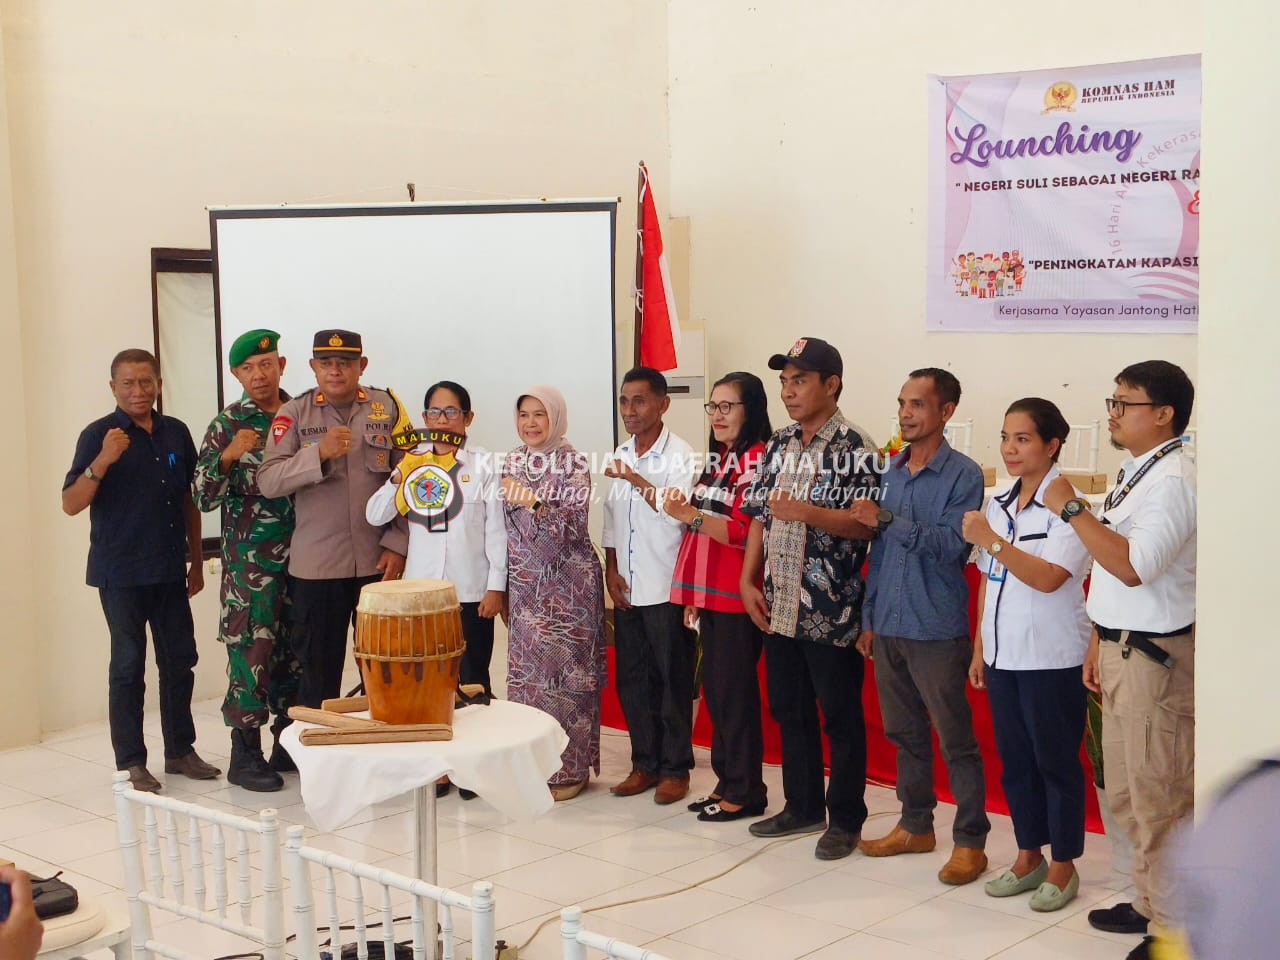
998	571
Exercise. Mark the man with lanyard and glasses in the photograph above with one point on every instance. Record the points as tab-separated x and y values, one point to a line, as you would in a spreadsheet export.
1142	654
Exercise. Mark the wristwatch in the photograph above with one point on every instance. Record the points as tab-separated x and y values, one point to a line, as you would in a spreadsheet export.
883	519
1073	509
696	524
996	547
88	473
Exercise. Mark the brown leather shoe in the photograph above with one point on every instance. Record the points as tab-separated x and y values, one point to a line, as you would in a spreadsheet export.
637	782
965	866
140	778
898	841
671	789
192	766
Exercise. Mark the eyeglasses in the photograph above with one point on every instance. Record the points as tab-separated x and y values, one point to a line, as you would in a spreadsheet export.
724	407
1118	407
447	413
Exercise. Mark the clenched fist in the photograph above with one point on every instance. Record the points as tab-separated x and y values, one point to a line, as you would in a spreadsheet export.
114	444
243	442
335	443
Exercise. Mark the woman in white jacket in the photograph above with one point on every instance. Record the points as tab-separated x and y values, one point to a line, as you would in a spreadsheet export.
446	487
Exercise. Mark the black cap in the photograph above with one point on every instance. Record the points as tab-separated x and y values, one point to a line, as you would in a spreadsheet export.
810	353
330	343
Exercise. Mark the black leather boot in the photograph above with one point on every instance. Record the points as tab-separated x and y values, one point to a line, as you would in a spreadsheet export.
248	768
280	760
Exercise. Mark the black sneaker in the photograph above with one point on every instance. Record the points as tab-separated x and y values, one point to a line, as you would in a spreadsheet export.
836	844
1121	918
786	824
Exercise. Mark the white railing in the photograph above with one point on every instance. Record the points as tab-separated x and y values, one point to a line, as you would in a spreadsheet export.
577	940
166	842
479	905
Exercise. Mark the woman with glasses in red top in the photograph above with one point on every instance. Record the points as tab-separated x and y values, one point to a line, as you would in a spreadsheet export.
706	583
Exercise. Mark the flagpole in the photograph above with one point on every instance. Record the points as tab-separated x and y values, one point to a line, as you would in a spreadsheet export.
639	281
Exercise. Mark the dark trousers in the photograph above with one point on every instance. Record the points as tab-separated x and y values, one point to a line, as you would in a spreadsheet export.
919	681
478	633
731	646
129	610
1039	723
803	676
655	687
324	612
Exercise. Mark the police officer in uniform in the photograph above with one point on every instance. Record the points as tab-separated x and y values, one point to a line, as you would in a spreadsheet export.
330	448
262	670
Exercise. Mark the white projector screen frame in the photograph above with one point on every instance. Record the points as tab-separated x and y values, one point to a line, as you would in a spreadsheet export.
496	296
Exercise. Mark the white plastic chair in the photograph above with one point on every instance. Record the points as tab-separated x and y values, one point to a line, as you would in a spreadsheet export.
169	890
959	434
1080	454
425	895
577	940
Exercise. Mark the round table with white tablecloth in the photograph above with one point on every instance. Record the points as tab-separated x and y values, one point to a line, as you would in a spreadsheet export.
503	751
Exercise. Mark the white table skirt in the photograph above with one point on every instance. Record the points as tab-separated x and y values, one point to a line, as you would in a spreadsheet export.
504	751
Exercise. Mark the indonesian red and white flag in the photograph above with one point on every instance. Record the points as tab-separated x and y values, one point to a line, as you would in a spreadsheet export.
655	298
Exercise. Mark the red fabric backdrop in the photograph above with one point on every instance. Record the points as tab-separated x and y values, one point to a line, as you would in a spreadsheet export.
881	755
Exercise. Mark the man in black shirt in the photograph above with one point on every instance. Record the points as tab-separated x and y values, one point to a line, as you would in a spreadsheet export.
133	469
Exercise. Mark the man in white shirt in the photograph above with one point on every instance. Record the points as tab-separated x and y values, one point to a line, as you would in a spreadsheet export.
1142	653
655	651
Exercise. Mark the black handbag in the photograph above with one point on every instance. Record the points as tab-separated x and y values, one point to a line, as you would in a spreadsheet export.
53	897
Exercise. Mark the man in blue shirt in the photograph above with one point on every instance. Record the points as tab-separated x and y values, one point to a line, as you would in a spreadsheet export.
916	620
133	470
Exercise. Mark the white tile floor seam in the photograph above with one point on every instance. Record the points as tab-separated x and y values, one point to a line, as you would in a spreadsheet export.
57	812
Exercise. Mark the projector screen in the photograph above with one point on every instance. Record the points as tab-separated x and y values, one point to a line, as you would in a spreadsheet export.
495	296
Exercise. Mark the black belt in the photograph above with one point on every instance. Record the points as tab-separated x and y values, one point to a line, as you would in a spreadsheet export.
1106	633
1142	641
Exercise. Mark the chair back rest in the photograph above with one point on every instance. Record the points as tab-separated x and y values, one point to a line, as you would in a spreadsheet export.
423	896
1080	452
192	854
577	940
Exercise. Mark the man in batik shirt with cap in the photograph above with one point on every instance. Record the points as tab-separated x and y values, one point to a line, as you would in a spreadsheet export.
262	671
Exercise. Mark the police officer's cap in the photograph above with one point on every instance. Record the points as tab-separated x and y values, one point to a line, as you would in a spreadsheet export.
337	343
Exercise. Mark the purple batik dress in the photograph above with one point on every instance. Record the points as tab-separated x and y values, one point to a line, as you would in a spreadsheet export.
555	595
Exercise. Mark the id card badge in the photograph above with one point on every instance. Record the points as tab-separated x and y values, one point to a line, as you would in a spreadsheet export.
997	572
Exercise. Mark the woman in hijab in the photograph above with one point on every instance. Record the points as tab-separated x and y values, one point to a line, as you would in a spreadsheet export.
555	592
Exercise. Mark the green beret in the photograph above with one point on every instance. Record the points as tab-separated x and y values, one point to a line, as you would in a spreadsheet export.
251	344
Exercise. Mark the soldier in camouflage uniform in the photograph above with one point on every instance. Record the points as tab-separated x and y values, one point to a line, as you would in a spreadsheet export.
262	671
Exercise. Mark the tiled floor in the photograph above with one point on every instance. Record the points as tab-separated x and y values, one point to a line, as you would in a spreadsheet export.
754	899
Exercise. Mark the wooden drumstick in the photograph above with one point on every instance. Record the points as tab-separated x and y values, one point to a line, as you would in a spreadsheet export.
380	733
327	719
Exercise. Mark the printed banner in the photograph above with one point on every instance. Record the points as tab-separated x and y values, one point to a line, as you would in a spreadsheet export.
1066	200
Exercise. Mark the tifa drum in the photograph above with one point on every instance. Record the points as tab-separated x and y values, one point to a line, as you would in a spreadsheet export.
409	647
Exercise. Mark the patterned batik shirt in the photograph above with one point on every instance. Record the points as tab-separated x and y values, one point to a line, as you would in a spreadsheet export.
813	580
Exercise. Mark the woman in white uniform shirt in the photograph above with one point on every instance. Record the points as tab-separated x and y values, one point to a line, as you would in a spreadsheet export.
1028	655
456	530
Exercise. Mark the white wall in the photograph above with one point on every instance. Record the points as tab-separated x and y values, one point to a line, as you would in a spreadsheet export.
126	119
20	714
799	146
1239	657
